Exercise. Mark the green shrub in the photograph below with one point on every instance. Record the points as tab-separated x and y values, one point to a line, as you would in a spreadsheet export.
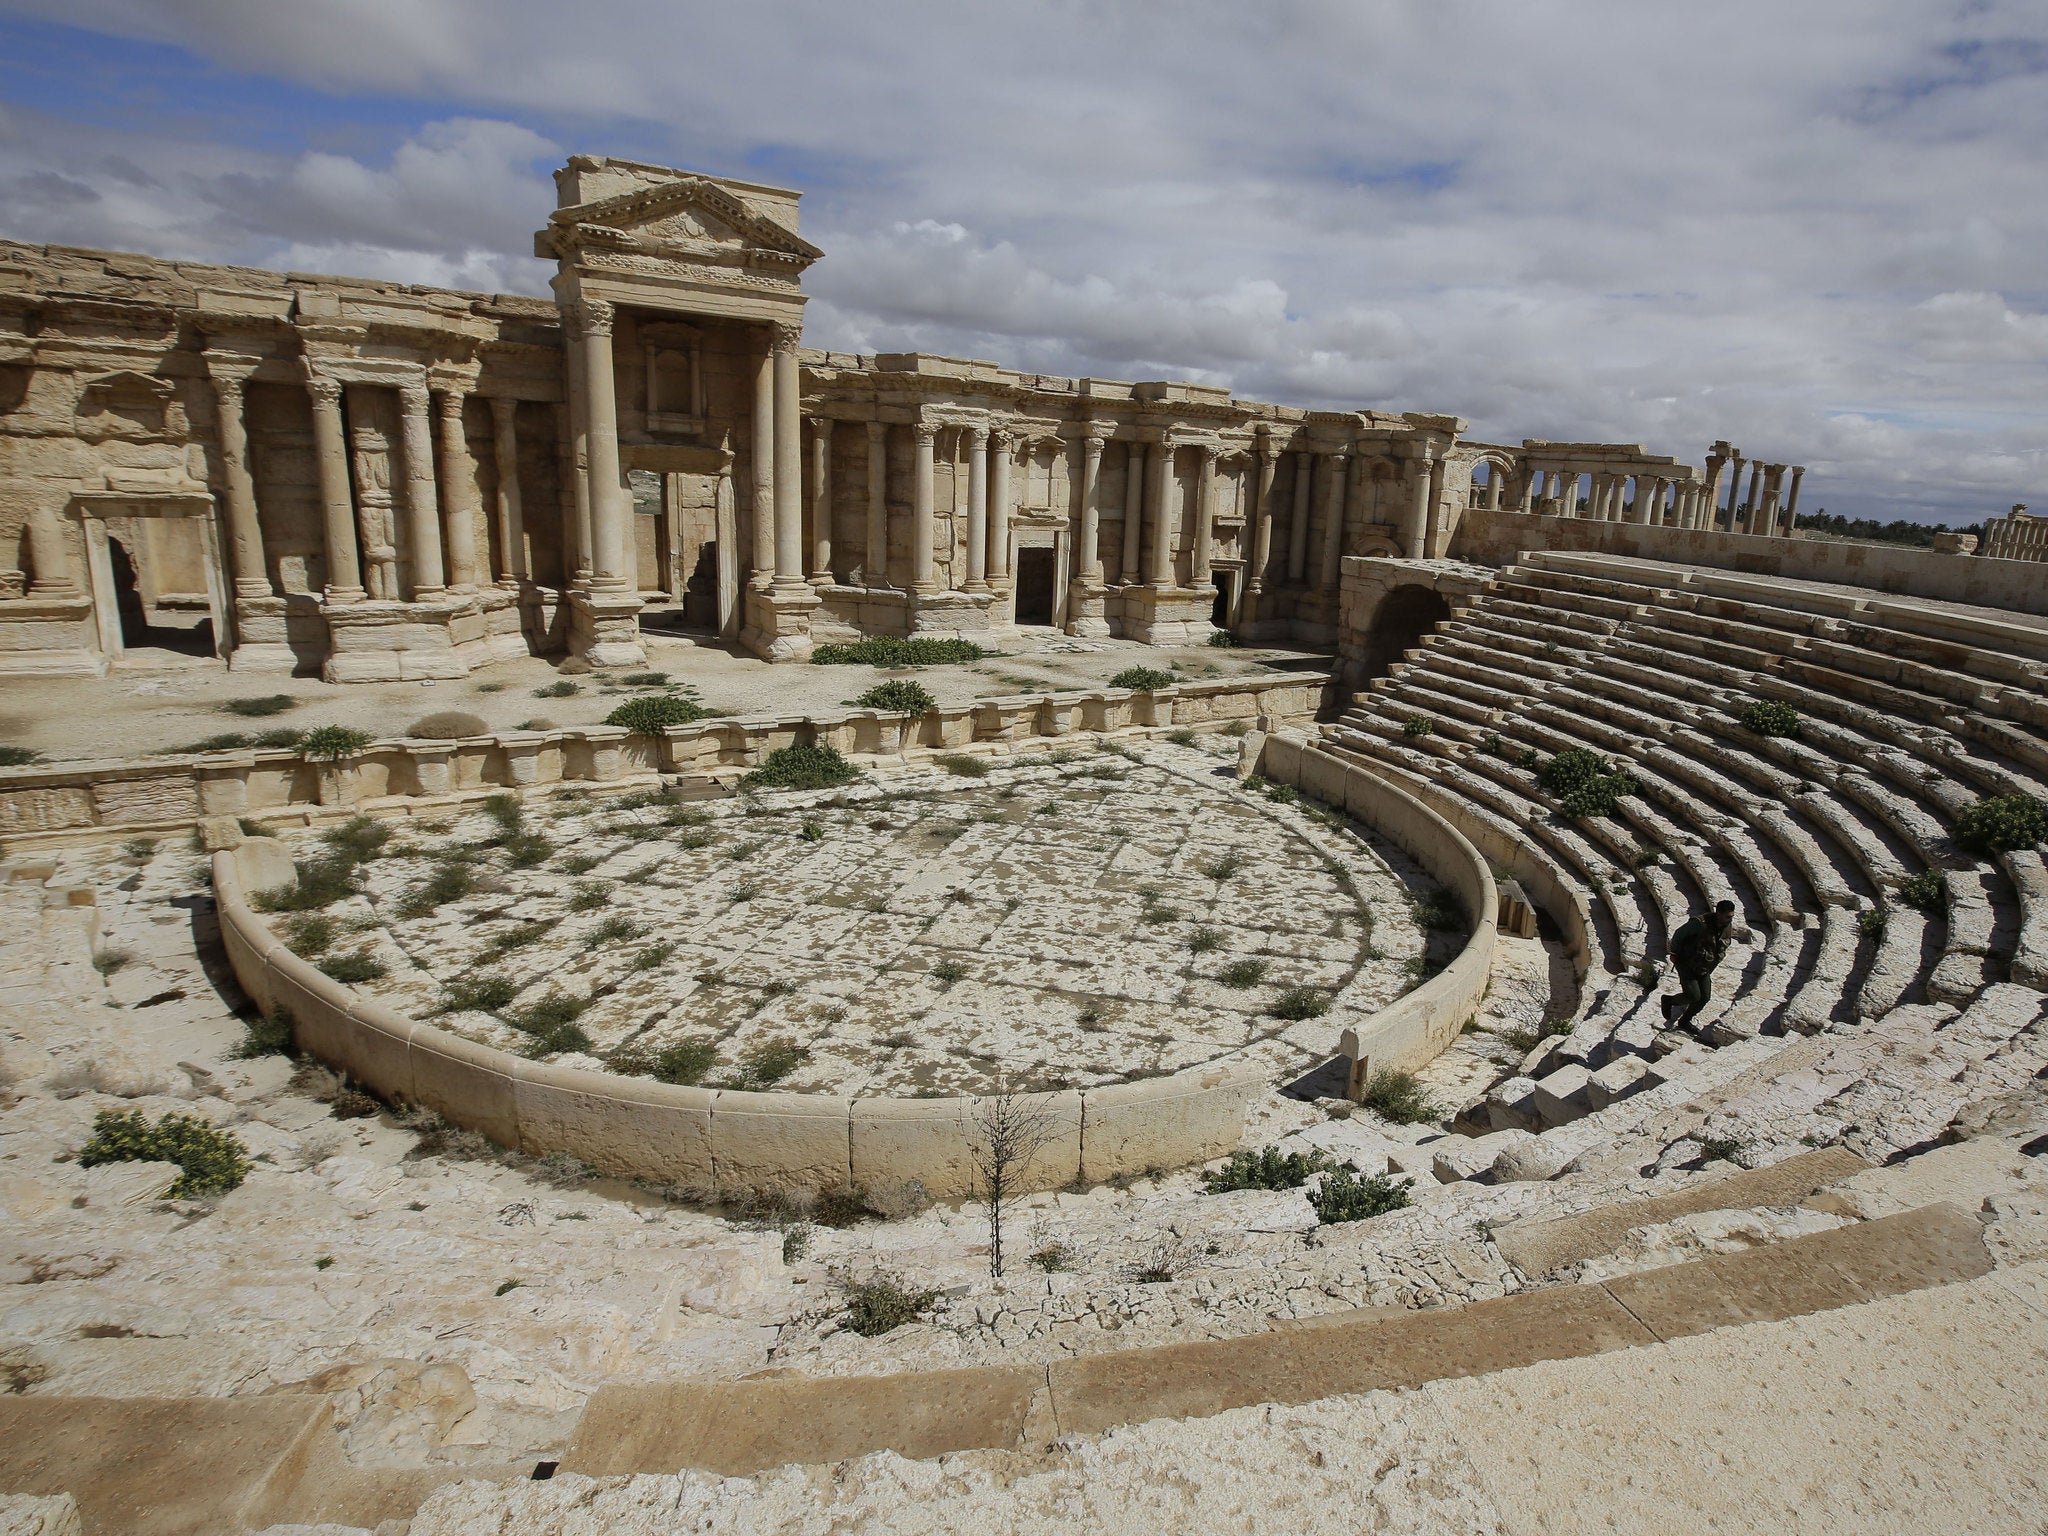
1223	866
1268	1168
614	929
18	757
1242	973
256	709
948	971
1925	892
1398	1096
308	934
561	689
1223	640
332	743
1442	911
685	1062
268	1034
551	1020
505	810
1282	794
488	993
590	895
802	765
448	725
1298	1003
1871	922
645	679
528	850
2001	823
651	958
889	651
214	1161
320	883
884	1302
353	968
962	766
359	839
653	713
769	1063
1585	783
1142	679
449	882
1418	725
898	696
1204	941
1345	1196
1769	717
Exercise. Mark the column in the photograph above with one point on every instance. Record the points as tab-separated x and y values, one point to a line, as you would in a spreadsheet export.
1297	527
422	502
337	507
1415	534
1134	512
1529	490
1734	491
999	573
821	501
1749	505
763	470
875	556
1434	525
458	480
1162	516
608	508
49	561
977	509
576	531
1645	494
512	566
923	524
1261	487
1091	513
245	532
789	468
1333	520
1792	500
1200	570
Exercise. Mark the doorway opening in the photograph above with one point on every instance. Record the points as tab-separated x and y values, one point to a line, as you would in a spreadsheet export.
1404	616
1226	598
1035	586
152	615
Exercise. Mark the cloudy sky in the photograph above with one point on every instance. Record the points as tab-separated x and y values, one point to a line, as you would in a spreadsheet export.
1818	229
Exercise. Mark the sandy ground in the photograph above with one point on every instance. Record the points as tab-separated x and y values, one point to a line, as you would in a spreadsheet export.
130	713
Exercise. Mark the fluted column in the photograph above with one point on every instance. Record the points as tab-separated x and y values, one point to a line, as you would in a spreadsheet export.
608	508
458	482
1333	520
1134	512
49	561
1200	568
1415	535
763	521
999	573
821	501
1297	526
1091	512
875	557
977	509
789	469
512	564
923	521
1262	529
1162	517
337	506
422	501
245	532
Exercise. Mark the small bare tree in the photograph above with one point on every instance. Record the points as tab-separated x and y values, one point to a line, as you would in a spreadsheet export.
1009	1131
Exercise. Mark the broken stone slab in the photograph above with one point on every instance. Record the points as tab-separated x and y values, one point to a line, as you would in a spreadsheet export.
1561	1097
219	833
1473	1157
1511	1105
1620	1078
1344	1141
1533	1161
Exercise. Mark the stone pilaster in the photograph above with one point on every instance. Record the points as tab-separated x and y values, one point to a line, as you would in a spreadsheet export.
337	505
1000	440
1297	529
923	517
458	489
513	570
1267	461
821	501
977	510
422	509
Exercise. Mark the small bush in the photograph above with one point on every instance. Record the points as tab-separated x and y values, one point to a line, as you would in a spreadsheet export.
652	957
1268	1168
802	765
1770	717
889	651
645	679
1204	941
1398	1096
1925	892
1418	725
112	959
449	882
2001	823
357	967
1345	1196
948	971
562	689
1442	912
528	850
614	929
654	713
448	725
506	811
320	883
962	766
898	696
1240	974
590	895
332	743
551	1021
1223	866
685	1062
1142	679
1871	922
18	757
268	1034
883	1303
359	839
769	1063
1222	640
488	993
518	936
1282	794
1169	1257
1298	1003
213	1161
1585	783
352	1104
1054	1258
257	709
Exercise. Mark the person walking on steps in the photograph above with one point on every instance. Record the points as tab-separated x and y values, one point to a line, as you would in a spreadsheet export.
1698	946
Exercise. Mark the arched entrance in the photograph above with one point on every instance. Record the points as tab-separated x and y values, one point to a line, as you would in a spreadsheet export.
1403	617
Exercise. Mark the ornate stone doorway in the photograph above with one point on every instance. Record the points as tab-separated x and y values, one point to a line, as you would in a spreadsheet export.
153	566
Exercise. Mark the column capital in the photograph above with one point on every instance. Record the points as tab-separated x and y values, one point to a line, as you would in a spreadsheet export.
1091	442
594	317
413	394
452	399
228	386
925	430
784	337
324	390
1001	436
977	434
822	425
1210	454
503	407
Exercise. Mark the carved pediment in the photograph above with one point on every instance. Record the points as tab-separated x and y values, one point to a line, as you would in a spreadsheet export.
693	220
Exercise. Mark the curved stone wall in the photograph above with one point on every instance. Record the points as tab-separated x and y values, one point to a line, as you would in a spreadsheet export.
716	1138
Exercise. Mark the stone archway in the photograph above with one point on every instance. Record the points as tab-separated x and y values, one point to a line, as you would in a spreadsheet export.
1403	617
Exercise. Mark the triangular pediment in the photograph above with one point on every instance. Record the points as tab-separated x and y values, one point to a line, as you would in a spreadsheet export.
694	217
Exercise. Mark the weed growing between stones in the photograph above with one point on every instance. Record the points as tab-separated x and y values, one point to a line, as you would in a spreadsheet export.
18	757
320	883
590	896
1170	1256
652	957
1182	737
357	840
268	1034
518	936
1585	783
258	708
1298	1003
613	930
213	1161
1281	794
769	1063
802	765
1925	892
551	1021
1418	725
450	881
1769	717
2002	823
488	993
1526	1040
1224	865
1398	1096
112	960
1441	911
1055	1258
1142	679
889	651
1268	1168
352	968
948	971
1344	1196
1872	921
962	766
561	689
883	1302
1240	974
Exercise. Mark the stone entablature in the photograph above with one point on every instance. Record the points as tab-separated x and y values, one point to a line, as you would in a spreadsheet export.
1623	482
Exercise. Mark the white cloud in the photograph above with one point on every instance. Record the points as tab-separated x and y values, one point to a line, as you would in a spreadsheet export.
1812	229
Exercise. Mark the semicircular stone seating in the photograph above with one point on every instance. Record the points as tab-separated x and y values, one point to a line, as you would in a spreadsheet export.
1909	711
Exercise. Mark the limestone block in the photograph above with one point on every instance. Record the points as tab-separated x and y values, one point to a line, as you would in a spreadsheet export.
1562	1097
1344	1141
628	1126
1163	1122
1511	1105
1541	1157
219	832
145	800
1249	751
780	1141
897	1142
45	810
1472	1157
32	1514
1620	1078
264	864
1416	1160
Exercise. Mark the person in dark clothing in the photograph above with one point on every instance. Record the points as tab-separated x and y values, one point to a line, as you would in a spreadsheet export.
1698	946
